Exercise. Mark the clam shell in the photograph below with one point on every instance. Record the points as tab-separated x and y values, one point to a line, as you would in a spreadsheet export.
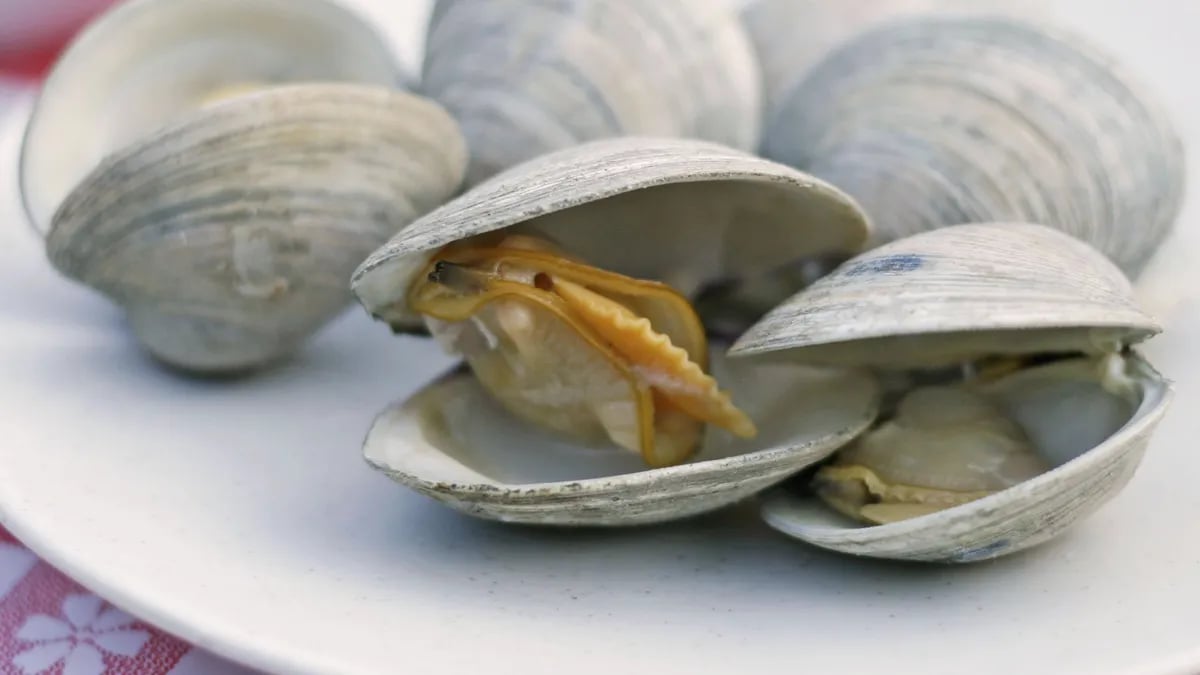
939	120
229	235
955	294
525	78
792	36
1094	438
675	210
453	443
145	62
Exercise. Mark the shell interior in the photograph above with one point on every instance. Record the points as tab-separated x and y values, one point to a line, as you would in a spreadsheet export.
144	63
452	441
683	212
1090	418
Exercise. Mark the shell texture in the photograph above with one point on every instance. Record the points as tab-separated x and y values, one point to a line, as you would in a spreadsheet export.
957	294
142	64
940	120
792	36
229	236
525	78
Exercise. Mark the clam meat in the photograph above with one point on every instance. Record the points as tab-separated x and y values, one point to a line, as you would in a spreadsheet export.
945	446
568	346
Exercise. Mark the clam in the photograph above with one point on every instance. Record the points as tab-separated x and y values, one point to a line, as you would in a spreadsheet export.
591	394
791	36
233	162
525	78
1050	421
945	119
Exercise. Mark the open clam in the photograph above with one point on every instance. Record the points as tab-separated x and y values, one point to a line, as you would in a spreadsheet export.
937	120
565	284
524	78
1005	458
237	160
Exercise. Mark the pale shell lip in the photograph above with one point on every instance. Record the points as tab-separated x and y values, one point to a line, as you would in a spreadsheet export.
106	31
600	487
804	518
594	172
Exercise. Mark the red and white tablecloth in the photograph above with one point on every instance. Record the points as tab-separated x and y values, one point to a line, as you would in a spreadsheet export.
48	623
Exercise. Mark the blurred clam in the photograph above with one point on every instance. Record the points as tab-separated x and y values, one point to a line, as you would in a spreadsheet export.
233	162
565	283
939	120
792	36
524	78
1005	458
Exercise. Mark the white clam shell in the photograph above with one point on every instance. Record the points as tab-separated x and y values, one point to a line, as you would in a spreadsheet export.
453	443
675	210
1094	438
525	78
229	235
938	120
792	36
145	62
955	294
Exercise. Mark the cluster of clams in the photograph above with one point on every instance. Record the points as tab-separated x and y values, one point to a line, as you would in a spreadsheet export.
921	237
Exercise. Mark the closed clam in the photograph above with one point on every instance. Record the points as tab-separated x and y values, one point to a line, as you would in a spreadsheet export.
937	120
236	161
792	36
592	395
524	78
1005	457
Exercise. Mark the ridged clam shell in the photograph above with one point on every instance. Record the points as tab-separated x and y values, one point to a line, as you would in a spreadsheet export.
229	236
957	293
675	210
792	36
143	63
935	120
451	441
1093	462
525	78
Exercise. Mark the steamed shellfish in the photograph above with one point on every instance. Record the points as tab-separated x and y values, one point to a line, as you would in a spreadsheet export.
566	284
1020	450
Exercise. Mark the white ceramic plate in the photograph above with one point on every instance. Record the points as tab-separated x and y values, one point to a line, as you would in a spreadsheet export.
241	516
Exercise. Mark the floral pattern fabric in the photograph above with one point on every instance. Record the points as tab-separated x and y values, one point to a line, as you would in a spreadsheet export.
49	625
